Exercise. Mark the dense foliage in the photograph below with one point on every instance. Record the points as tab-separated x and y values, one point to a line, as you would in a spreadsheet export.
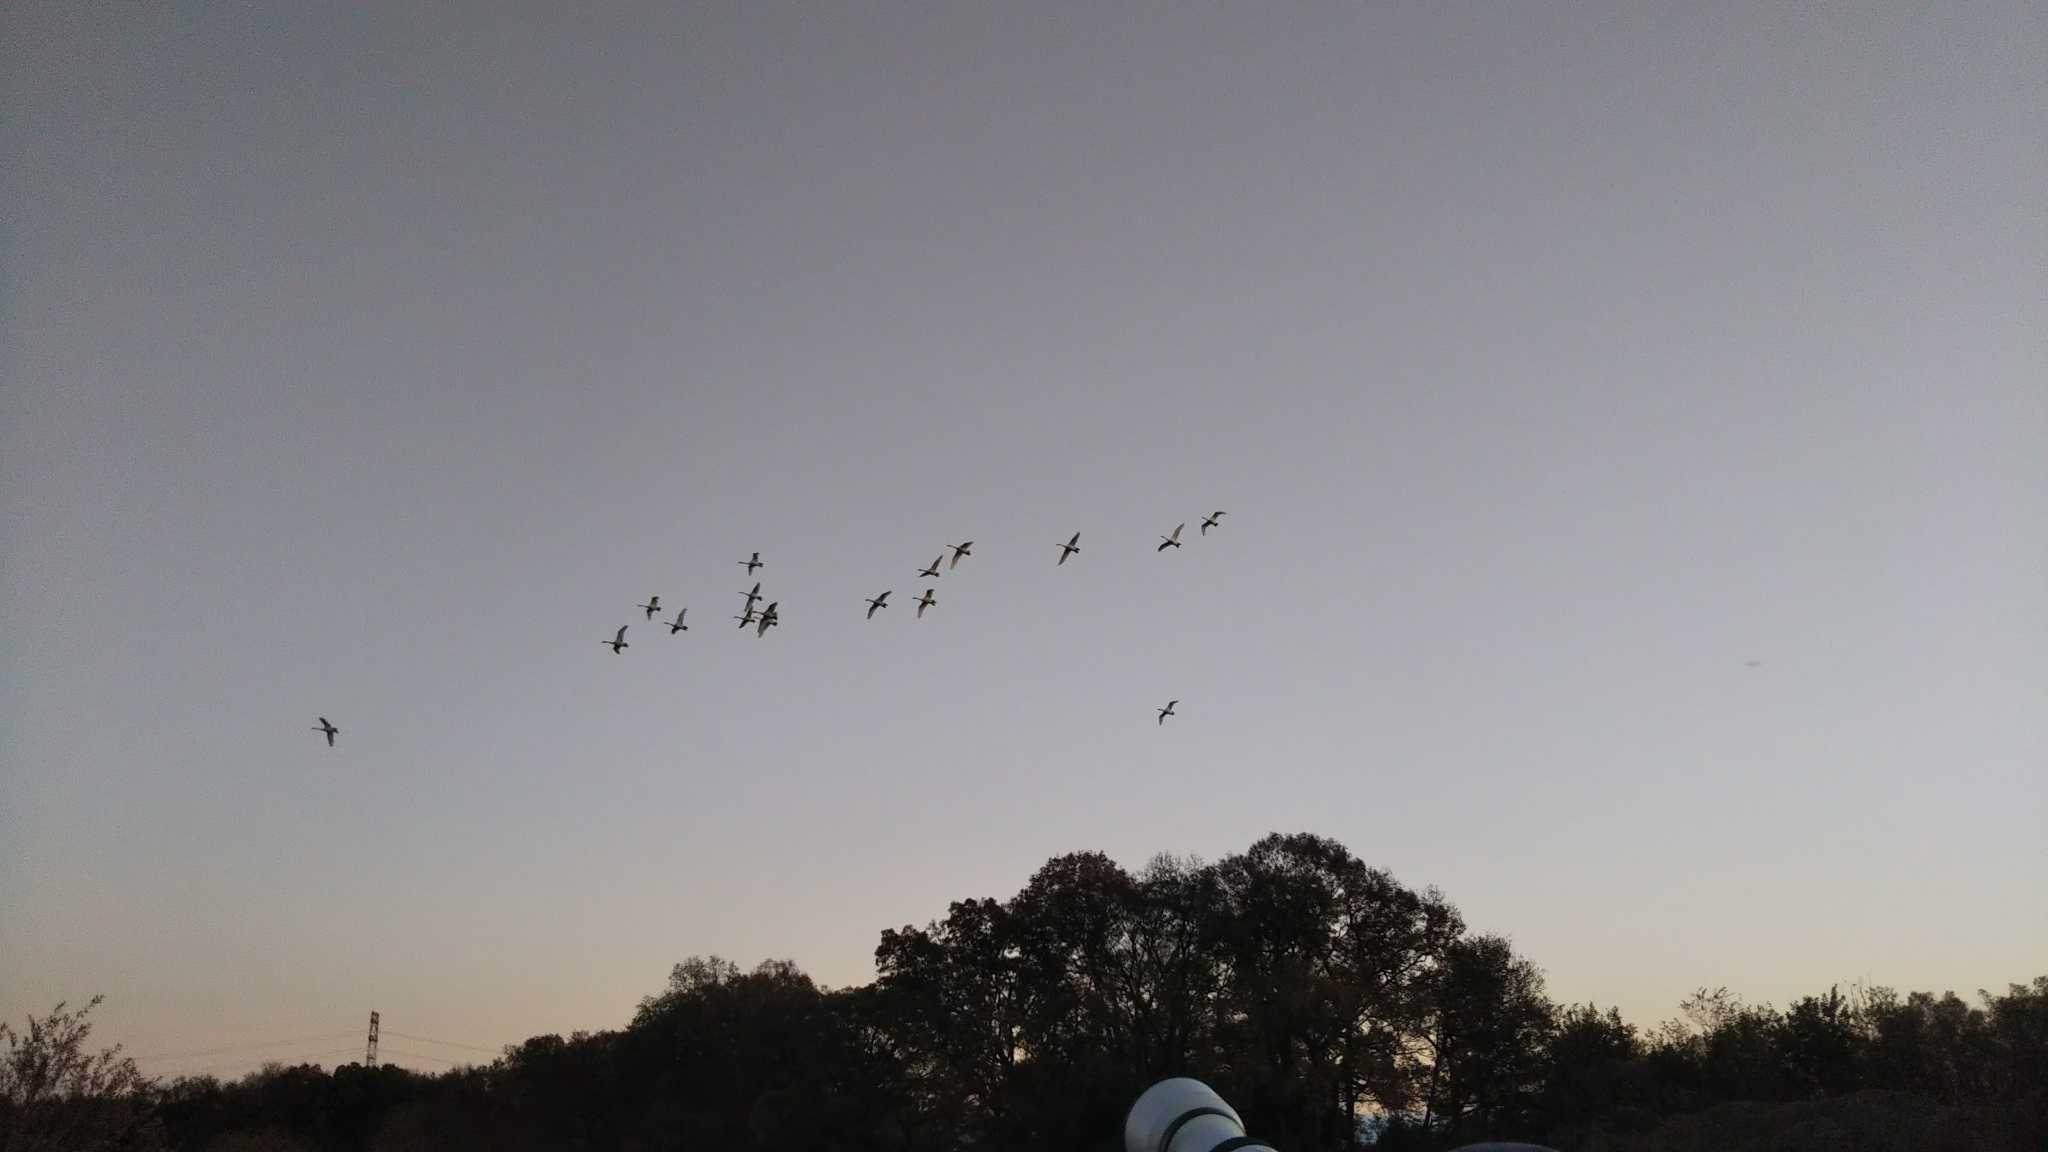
1332	1005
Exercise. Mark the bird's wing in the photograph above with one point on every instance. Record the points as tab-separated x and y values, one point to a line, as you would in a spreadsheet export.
1171	703
324	724
1075	540
1177	528
621	635
330	738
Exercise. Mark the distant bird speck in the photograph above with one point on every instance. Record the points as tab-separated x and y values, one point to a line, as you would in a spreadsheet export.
959	550
1167	711
1752	663
617	643
881	601
931	571
652	606
751	563
1070	547
330	729
925	601
678	625
1172	541
1210	522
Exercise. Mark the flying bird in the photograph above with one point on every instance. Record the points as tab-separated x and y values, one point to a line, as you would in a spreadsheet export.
618	643
959	550
330	729
753	595
1211	522
747	617
653	605
932	572
751	563
678	625
881	601
768	620
1167	711
1172	541
925	601
1070	547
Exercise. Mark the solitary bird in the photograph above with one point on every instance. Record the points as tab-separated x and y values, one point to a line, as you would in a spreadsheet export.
1070	547
959	550
1167	711
330	729
678	625
753	595
881	601
618	643
751	563
1211	522
1172	541
653	605
932	572
925	601
768	620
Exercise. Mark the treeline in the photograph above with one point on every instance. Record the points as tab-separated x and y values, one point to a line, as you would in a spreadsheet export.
1333	1006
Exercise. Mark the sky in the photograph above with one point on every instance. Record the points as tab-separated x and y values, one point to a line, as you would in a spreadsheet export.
1631	420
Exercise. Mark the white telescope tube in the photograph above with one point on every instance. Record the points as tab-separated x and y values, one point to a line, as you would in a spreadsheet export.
1184	1115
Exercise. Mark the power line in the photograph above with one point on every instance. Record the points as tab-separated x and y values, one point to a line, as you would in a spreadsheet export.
419	1055
449	1043
208	1069
242	1047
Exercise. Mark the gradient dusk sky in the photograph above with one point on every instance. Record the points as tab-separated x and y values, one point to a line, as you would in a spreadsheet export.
1554	362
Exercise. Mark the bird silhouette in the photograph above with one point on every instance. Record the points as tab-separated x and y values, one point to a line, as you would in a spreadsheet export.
925	601
746	617
768	620
330	729
1210	522
1172	541
881	601
753	595
652	606
678	625
959	550
618	643
931	572
751	563
1167	711
1070	547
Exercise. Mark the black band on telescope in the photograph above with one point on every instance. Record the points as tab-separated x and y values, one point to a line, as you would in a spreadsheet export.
1173	1129
1236	1142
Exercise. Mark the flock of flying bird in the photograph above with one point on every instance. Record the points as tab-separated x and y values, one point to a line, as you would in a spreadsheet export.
761	621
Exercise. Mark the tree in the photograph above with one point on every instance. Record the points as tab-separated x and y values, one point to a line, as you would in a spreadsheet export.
58	1095
1590	1063
1490	1029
